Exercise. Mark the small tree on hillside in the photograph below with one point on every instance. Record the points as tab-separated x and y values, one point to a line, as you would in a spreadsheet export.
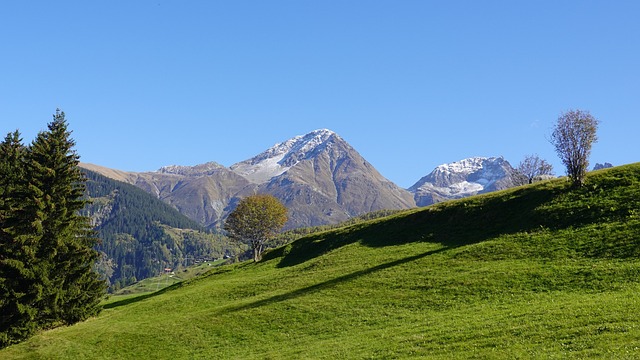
531	167
256	220
573	136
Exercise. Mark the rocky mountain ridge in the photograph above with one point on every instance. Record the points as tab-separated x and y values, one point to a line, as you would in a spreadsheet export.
198	170
283	156
318	176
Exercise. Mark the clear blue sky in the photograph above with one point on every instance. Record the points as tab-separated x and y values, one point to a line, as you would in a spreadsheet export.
409	84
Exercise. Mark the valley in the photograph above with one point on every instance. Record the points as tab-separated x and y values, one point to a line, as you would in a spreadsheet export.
538	271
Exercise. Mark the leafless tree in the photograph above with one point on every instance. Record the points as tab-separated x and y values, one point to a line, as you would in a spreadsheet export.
531	167
573	136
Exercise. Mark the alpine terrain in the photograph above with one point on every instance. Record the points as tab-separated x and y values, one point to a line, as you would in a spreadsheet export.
542	271
463	178
319	177
141	235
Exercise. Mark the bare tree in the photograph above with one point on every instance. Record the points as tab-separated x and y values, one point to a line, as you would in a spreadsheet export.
573	136
532	167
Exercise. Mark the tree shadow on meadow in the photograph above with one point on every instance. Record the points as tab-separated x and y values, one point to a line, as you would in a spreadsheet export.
550	205
329	283
141	297
451	224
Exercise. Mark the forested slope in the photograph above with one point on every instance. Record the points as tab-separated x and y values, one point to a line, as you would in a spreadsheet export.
141	235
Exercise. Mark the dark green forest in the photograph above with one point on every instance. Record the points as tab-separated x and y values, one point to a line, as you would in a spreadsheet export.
141	235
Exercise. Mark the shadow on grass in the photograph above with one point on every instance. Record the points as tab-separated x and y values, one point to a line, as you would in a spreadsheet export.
450	224
331	283
136	299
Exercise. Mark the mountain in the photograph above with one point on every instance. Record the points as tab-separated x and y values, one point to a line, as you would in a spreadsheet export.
322	180
599	166
202	192
463	178
142	235
318	176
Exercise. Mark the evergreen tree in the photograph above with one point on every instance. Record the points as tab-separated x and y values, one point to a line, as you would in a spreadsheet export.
65	252
21	289
46	247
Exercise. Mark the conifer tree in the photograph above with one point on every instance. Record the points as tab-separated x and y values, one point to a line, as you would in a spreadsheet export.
65	252
47	250
21	290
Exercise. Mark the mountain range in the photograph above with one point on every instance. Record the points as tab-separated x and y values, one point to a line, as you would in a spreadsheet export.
319	177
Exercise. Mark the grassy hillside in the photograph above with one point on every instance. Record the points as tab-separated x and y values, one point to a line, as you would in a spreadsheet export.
541	271
153	284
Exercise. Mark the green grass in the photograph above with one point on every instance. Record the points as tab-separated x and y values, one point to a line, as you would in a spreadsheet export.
542	271
144	288
162	281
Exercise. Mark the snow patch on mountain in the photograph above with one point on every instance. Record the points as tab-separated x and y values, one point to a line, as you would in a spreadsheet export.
465	166
261	171
460	189
283	156
198	170
463	178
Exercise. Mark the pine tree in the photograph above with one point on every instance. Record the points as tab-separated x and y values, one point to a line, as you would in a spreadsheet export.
65	252
47	250
20	287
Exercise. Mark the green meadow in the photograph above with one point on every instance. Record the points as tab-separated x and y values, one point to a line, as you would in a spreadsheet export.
540	271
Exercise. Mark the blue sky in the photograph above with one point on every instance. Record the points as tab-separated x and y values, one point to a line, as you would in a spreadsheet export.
409	84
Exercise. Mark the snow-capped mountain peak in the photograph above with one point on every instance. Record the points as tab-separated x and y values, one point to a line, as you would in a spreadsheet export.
282	156
463	178
465	166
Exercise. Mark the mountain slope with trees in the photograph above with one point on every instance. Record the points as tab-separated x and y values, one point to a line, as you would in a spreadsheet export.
141	235
547	270
319	177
